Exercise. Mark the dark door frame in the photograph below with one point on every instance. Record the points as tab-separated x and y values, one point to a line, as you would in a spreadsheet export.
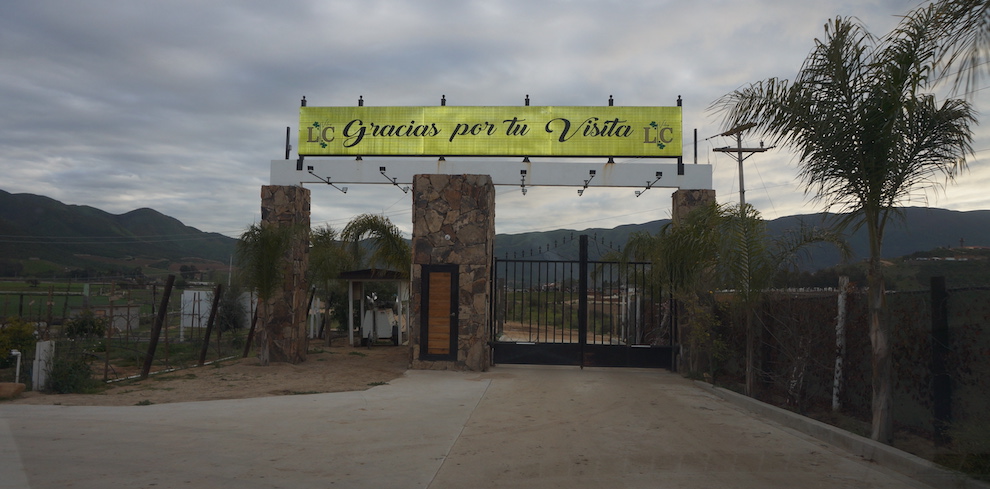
424	339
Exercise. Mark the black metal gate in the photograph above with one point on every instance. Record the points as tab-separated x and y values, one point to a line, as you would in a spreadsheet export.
586	313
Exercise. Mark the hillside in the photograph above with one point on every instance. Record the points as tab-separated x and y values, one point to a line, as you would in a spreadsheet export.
39	231
921	229
40	235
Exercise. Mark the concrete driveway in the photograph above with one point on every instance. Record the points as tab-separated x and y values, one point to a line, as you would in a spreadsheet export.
512	427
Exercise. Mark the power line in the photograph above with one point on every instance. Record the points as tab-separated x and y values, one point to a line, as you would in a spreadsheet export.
76	240
560	243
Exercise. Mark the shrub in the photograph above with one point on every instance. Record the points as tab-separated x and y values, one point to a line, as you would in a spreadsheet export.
70	374
86	325
230	311
17	334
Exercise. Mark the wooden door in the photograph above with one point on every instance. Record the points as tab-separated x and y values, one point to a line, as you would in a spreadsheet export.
438	336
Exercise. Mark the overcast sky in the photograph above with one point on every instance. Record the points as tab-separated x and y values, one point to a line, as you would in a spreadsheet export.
180	105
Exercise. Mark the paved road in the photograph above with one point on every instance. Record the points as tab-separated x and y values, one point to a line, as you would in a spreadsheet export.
513	427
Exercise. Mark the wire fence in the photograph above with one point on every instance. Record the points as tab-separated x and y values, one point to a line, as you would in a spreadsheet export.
940	349
106	329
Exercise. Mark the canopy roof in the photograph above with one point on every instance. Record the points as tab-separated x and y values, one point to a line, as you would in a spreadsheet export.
373	275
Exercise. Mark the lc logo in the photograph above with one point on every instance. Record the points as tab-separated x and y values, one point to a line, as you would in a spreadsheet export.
661	136
319	133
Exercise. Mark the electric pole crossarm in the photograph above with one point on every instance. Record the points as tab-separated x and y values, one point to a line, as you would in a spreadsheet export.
739	150
729	149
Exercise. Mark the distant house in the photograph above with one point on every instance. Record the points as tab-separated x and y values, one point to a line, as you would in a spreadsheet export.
196	306
125	318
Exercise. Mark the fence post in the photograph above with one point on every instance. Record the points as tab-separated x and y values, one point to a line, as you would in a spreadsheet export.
583	295
65	303
51	305
156	330
108	336
941	380
209	324
840	342
309	307
500	297
250	337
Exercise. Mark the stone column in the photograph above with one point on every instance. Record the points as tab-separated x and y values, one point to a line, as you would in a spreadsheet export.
454	224
685	201
284	334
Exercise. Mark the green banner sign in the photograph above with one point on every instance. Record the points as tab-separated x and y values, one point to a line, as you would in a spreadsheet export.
490	131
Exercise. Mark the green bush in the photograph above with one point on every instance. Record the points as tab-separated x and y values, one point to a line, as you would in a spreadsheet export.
17	334
230	311
71	374
86	325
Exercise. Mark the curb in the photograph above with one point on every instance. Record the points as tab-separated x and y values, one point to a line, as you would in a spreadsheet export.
872	451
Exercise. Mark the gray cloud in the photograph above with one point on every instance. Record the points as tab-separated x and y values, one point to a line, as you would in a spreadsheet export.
180	105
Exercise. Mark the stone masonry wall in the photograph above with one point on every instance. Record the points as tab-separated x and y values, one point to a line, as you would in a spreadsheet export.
454	223
284	339
685	201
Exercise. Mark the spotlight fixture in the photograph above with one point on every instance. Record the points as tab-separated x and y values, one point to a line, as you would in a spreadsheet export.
393	181
650	184
591	176
326	180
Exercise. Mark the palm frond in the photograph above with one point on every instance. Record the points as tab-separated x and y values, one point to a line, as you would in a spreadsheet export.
260	252
964	55
389	249
329	257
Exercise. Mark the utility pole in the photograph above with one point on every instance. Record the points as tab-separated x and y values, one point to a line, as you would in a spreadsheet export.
753	331
739	150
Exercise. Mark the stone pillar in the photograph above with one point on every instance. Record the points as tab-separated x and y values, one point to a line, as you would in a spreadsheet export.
454	224
284	336
685	201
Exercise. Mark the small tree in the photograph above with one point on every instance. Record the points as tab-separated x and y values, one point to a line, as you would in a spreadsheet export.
86	325
16	334
260	255
329	257
724	247
684	257
231	312
70	370
867	137
749	262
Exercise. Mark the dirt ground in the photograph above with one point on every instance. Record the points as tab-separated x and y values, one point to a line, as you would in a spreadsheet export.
326	369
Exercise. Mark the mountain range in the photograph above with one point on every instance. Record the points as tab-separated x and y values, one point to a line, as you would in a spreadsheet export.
39	229
917	229
54	235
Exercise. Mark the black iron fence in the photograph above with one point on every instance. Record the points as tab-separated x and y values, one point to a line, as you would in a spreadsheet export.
587	313
539	302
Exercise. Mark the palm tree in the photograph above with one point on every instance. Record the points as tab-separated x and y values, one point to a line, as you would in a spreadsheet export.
260	255
725	247
867	136
328	258
683	258
750	260
389	248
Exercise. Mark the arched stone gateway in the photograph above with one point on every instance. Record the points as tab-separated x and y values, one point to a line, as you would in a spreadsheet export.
454	196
